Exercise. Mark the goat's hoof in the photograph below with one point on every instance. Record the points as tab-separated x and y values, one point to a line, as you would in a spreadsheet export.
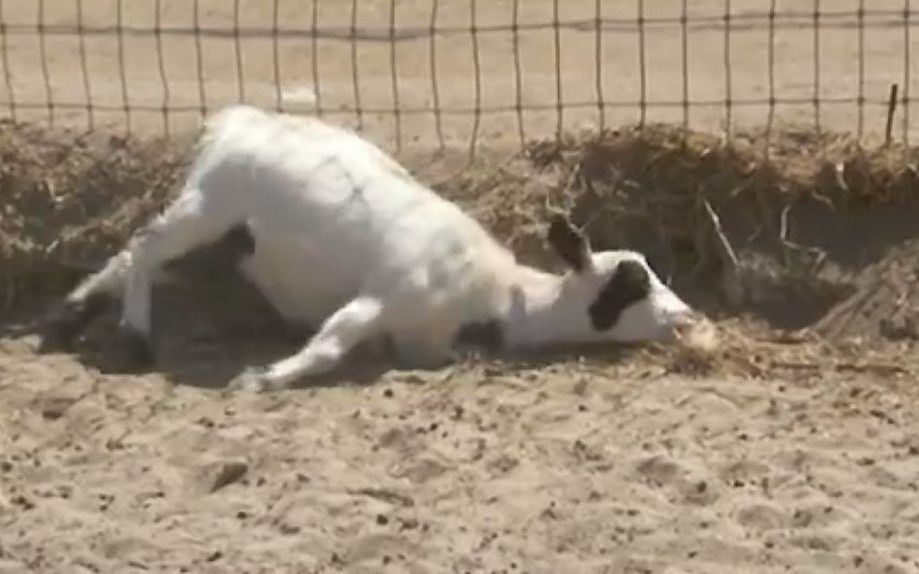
134	353
252	380
64	322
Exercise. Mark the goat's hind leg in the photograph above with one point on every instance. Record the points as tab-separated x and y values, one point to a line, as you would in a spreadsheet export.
67	319
192	221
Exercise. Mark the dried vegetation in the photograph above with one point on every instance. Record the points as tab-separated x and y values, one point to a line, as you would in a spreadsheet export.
778	250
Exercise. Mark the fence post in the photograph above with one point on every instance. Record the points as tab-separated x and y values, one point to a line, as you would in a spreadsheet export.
891	108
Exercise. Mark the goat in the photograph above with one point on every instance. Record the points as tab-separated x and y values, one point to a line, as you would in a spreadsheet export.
338	236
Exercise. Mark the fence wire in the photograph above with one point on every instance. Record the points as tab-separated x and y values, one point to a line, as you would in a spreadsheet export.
462	72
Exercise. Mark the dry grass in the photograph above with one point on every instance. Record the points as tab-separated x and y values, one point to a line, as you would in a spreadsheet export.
657	173
69	201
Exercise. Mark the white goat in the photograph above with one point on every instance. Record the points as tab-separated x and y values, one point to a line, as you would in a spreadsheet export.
343	239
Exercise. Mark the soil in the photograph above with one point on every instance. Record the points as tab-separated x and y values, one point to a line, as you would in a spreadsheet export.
783	440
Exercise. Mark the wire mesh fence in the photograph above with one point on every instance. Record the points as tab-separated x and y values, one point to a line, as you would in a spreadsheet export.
463	72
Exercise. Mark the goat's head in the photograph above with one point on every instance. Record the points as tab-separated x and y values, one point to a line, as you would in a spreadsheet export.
613	295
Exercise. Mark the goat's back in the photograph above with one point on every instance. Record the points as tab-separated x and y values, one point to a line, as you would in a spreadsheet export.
333	215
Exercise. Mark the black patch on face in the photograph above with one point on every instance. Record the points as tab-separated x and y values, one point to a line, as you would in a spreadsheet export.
629	284
487	335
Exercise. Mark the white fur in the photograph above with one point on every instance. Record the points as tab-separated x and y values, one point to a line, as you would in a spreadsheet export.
347	241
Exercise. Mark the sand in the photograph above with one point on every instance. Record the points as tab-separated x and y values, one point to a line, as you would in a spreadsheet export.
774	456
484	467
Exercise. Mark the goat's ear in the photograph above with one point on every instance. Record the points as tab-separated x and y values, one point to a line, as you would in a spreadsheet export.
569	243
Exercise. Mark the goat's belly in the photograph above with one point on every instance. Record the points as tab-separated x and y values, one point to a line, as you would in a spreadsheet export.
302	283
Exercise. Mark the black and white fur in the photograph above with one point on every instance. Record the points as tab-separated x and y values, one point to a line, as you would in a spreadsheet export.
343	239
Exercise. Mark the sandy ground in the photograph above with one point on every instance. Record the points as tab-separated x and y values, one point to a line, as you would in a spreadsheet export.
590	467
622	464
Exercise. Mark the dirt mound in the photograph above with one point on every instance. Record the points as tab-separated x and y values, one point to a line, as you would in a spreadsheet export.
783	240
70	200
885	302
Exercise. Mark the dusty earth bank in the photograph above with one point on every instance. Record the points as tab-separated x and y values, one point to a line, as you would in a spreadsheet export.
792	447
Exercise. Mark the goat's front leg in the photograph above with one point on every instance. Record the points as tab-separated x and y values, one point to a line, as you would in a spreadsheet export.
353	323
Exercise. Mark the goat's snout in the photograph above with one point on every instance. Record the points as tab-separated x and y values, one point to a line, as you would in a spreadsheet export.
684	319
679	323
694	330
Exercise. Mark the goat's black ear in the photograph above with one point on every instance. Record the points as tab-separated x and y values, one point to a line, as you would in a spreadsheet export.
569	243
